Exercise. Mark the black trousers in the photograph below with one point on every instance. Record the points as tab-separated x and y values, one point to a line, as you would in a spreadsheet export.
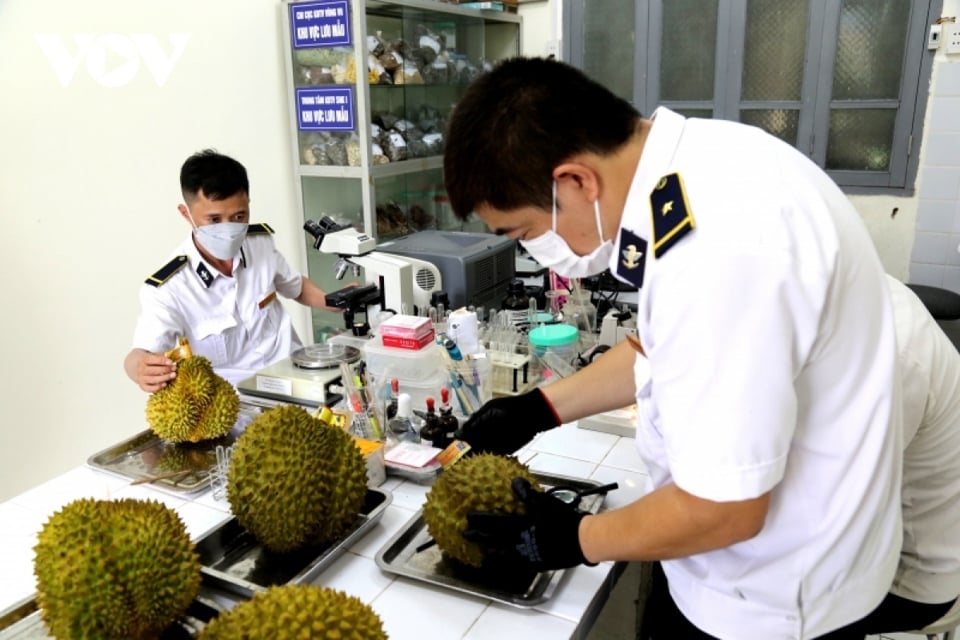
662	620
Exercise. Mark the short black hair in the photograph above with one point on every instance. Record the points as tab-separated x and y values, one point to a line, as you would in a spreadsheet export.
518	122
216	175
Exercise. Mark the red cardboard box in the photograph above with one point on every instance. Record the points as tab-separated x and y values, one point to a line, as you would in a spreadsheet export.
401	326
413	344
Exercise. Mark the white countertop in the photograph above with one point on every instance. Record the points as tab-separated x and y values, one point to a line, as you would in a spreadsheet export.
409	609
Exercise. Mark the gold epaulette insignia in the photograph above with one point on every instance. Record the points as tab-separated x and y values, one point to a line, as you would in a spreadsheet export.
672	218
259	227
167	270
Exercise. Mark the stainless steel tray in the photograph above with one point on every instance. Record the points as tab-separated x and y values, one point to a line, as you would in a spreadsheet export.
520	589
180	468
232	559
23	621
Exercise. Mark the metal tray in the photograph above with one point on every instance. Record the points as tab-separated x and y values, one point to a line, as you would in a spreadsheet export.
179	468
23	621
232	559
519	589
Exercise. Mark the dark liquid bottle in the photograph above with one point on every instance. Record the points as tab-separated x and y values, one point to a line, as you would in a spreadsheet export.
394	394
431	431
517	303
448	422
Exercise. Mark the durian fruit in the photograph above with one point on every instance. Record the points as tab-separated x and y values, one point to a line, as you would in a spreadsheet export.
294	480
114	570
292	612
478	483
197	405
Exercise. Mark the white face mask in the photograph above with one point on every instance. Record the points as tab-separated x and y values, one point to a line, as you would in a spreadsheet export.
222	239
553	252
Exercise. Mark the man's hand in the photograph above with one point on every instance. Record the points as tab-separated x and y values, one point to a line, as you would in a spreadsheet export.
151	371
546	537
503	425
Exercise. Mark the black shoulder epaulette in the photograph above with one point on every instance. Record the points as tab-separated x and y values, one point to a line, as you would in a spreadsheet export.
672	217
166	271
259	227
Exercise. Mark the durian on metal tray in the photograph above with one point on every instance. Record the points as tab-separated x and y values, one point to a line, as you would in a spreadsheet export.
231	558
23	621
185	468
410	553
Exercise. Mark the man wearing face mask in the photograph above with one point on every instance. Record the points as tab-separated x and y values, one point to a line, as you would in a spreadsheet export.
770	418
221	288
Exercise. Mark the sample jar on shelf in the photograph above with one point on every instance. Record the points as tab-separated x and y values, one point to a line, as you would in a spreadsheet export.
554	347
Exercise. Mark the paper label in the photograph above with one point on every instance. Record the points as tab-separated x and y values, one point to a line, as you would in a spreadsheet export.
411	454
275	385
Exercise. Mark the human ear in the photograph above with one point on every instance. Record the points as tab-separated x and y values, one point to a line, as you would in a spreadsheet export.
582	178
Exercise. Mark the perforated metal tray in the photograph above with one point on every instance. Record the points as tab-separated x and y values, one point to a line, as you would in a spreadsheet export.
178	468
524	589
23	621
233	560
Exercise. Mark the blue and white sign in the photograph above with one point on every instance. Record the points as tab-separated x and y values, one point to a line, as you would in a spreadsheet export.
325	109
323	23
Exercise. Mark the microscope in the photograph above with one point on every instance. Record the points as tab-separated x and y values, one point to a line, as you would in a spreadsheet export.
390	279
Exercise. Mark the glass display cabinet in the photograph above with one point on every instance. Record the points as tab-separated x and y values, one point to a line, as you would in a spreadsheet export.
371	84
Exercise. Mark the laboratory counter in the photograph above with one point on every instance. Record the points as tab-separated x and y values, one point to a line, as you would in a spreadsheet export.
410	610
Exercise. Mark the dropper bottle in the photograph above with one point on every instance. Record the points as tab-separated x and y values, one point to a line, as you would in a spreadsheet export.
448	422
394	393
431	429
404	425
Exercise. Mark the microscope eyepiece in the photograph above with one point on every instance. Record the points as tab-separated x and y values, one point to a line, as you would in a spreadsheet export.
321	227
314	229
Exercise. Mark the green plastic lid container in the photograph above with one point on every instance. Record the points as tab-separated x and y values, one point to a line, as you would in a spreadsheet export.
554	335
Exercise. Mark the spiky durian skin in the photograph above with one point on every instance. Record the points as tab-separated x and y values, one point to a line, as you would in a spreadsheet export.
477	483
293	612
114	570
295	481
197	405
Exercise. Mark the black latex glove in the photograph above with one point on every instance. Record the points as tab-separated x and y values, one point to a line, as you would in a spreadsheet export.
503	425
546	537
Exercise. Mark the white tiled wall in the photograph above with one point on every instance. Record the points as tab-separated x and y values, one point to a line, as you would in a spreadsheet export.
935	260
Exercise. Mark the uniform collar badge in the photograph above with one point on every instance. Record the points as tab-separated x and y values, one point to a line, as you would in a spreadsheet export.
631	263
204	274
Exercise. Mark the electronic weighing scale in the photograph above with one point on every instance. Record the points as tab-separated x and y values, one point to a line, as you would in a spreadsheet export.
306	377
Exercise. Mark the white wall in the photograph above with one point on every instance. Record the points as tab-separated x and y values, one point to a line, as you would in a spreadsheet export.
89	185
934	259
88	190
919	243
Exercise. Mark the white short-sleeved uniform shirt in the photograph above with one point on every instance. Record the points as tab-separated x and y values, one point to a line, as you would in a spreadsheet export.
236	322
771	349
929	568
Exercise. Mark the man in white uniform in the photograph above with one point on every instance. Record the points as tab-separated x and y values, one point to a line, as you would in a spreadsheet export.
928	578
772	429
220	290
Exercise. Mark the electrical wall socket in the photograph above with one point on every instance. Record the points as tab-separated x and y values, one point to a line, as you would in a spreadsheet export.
952	37
552	48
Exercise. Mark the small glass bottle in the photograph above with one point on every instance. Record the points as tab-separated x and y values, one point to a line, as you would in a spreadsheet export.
517	303
448	422
404	426
431	429
394	393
